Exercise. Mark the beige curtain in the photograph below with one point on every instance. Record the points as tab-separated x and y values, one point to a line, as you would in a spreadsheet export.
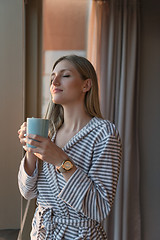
96	47
113	46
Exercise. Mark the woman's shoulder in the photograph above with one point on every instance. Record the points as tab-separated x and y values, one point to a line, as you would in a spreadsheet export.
104	124
105	127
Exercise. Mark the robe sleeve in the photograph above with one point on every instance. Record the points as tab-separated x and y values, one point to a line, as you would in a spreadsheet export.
27	184
93	194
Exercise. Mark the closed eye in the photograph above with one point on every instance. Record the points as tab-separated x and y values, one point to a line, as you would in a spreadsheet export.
66	75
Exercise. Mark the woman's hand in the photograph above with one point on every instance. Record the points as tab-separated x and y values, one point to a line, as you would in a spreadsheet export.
30	159
45	149
22	133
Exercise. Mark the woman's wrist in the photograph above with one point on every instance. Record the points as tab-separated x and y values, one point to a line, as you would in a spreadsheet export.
66	167
30	163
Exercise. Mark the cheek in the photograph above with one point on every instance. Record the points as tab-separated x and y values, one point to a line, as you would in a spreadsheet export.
75	86
75	91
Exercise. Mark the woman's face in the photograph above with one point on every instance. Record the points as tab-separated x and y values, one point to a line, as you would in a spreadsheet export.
67	86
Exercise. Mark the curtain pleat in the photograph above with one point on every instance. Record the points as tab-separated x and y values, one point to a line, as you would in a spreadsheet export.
114	54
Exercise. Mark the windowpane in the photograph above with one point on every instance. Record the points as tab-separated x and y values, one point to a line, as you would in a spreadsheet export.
64	32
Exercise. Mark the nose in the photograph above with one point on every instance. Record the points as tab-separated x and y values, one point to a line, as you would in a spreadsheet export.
55	81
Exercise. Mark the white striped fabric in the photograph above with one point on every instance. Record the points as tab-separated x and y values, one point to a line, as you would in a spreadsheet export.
74	209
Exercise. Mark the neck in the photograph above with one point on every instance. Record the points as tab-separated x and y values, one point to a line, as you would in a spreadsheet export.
75	118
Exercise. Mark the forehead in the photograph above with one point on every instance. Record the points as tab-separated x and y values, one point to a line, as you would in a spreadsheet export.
64	65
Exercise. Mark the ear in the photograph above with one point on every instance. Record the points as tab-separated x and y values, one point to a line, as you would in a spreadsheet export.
87	85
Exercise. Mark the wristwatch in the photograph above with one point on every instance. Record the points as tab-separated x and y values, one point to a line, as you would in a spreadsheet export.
65	166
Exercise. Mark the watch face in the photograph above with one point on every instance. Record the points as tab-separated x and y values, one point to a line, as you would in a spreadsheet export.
67	165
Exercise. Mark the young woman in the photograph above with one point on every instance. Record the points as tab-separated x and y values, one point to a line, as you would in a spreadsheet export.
74	173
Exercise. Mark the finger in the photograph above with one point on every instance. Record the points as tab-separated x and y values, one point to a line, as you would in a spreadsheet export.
25	148
24	125
22	141
22	130
32	142
22	138
38	155
22	134
35	151
19	131
29	149
37	137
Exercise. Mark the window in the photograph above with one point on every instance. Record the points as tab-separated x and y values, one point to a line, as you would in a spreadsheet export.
64	32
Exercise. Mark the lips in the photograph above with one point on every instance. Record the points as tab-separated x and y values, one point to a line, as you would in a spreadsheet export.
57	90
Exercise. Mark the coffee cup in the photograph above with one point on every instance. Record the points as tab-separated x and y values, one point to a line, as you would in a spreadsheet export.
37	126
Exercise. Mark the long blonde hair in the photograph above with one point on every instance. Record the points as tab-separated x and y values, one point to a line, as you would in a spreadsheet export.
86	70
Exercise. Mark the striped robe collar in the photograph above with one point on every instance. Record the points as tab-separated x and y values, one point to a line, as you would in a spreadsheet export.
92	124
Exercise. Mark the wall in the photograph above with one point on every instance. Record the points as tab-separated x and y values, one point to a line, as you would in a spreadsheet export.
11	109
149	114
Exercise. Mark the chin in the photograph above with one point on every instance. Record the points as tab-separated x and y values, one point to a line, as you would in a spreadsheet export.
56	101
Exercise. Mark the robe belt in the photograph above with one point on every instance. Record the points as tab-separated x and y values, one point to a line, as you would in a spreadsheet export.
52	220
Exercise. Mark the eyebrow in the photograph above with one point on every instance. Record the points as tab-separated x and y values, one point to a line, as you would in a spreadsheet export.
63	70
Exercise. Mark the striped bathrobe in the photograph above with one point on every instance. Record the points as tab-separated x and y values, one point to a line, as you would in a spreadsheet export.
74	209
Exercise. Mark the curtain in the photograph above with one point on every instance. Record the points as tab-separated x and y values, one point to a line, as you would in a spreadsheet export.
113	48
